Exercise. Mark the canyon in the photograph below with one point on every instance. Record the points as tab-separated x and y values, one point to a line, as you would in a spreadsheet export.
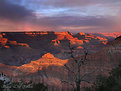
41	56
18	48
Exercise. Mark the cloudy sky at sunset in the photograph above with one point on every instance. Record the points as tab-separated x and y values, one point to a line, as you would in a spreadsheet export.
60	15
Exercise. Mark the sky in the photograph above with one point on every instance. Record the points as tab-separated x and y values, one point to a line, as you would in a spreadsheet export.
60	15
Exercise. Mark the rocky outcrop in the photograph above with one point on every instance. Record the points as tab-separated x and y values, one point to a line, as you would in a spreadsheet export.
6	43
67	36
48	68
44	42
109	36
46	60
91	37
3	42
114	34
51	71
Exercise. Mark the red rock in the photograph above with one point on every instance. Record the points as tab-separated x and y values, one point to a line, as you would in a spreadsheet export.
3	41
13	42
23	44
114	34
7	47
46	60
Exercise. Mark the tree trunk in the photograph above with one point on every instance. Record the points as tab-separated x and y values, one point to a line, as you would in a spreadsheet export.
78	79
77	86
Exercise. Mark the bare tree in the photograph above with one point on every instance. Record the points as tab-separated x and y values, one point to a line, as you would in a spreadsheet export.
78	78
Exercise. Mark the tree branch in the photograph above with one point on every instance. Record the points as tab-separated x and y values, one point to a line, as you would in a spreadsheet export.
63	81
86	74
70	71
85	54
85	81
71	52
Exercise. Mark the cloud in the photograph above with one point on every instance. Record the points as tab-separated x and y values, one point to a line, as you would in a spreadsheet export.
65	23
76	21
58	15
13	12
73	24
67	3
74	7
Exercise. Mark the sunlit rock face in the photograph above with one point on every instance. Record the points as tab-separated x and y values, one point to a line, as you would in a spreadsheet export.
109	36
6	43
67	36
36	33
3	42
51	71
92	42
90	37
46	60
48	55
114	34
18	48
44	42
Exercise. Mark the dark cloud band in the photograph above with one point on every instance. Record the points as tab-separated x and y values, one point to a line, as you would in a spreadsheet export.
13	12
